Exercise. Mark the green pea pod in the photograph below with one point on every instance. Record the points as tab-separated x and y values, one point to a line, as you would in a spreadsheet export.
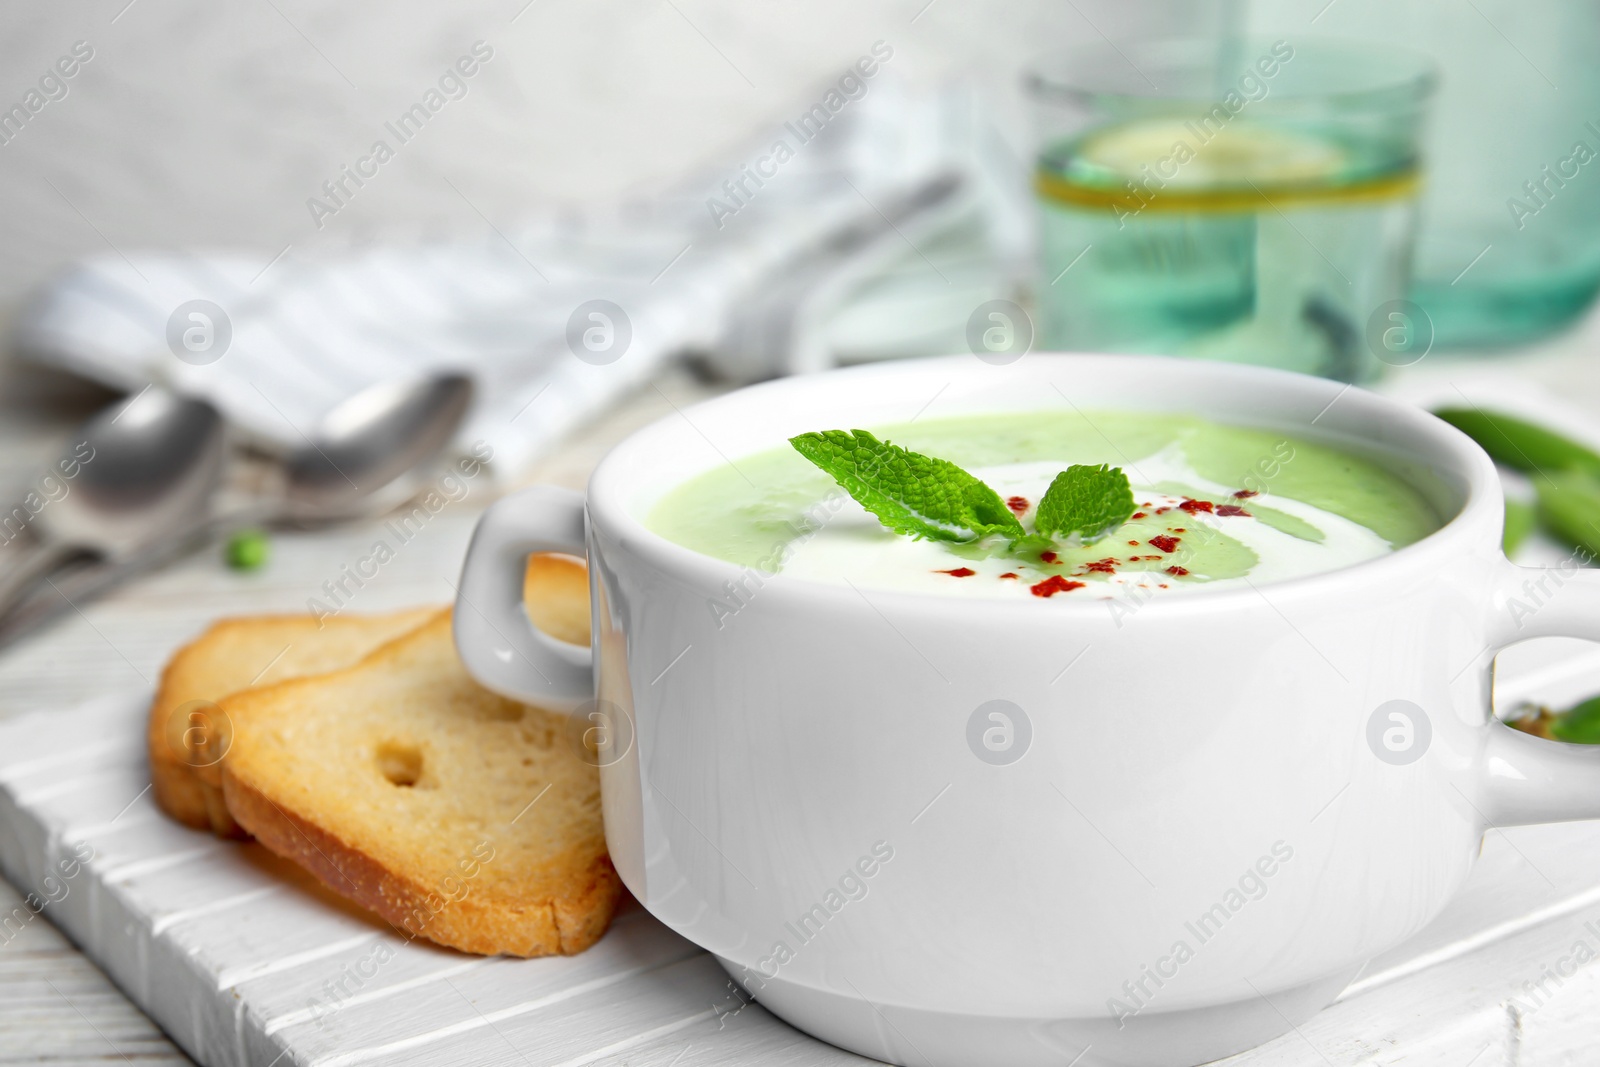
1521	445
1569	507
1521	518
1579	724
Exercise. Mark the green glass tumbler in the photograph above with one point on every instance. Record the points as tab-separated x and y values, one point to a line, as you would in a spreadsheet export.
1251	200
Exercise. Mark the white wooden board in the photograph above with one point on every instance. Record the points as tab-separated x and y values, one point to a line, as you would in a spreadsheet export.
248	963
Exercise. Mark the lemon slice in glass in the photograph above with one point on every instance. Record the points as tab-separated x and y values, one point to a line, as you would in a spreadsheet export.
1189	155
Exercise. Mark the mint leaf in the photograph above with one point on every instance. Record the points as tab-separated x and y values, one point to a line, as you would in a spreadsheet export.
1087	501
911	494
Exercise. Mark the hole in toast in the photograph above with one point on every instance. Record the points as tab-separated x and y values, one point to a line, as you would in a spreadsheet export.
400	762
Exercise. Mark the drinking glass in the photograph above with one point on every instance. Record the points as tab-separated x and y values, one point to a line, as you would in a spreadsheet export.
1242	199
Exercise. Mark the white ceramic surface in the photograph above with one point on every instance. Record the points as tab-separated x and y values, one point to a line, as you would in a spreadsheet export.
1189	828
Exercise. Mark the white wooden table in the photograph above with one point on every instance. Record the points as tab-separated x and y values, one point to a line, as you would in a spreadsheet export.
56	1007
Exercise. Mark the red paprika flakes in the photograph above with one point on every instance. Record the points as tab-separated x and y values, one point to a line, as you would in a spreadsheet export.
1053	585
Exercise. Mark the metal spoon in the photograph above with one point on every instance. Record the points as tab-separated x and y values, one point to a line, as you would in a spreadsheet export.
143	471
366	455
368	452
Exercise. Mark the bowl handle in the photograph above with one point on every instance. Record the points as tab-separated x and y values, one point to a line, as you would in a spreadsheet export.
1531	779
494	637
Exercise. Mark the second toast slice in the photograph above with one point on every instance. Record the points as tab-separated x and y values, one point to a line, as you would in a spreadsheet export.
454	813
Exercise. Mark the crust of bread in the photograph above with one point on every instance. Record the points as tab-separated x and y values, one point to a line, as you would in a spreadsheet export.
562	925
306	775
231	655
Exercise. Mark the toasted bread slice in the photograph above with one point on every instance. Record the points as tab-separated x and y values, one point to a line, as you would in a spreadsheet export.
555	590
187	736
454	813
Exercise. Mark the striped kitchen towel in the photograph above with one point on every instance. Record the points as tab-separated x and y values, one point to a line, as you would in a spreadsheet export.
554	319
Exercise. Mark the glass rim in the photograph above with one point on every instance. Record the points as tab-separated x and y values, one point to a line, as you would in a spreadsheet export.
1414	74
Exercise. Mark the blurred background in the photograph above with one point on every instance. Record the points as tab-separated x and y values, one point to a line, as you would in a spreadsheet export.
314	241
592	143
209	125
209	153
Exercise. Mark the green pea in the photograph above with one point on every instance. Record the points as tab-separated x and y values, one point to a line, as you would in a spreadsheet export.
247	550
